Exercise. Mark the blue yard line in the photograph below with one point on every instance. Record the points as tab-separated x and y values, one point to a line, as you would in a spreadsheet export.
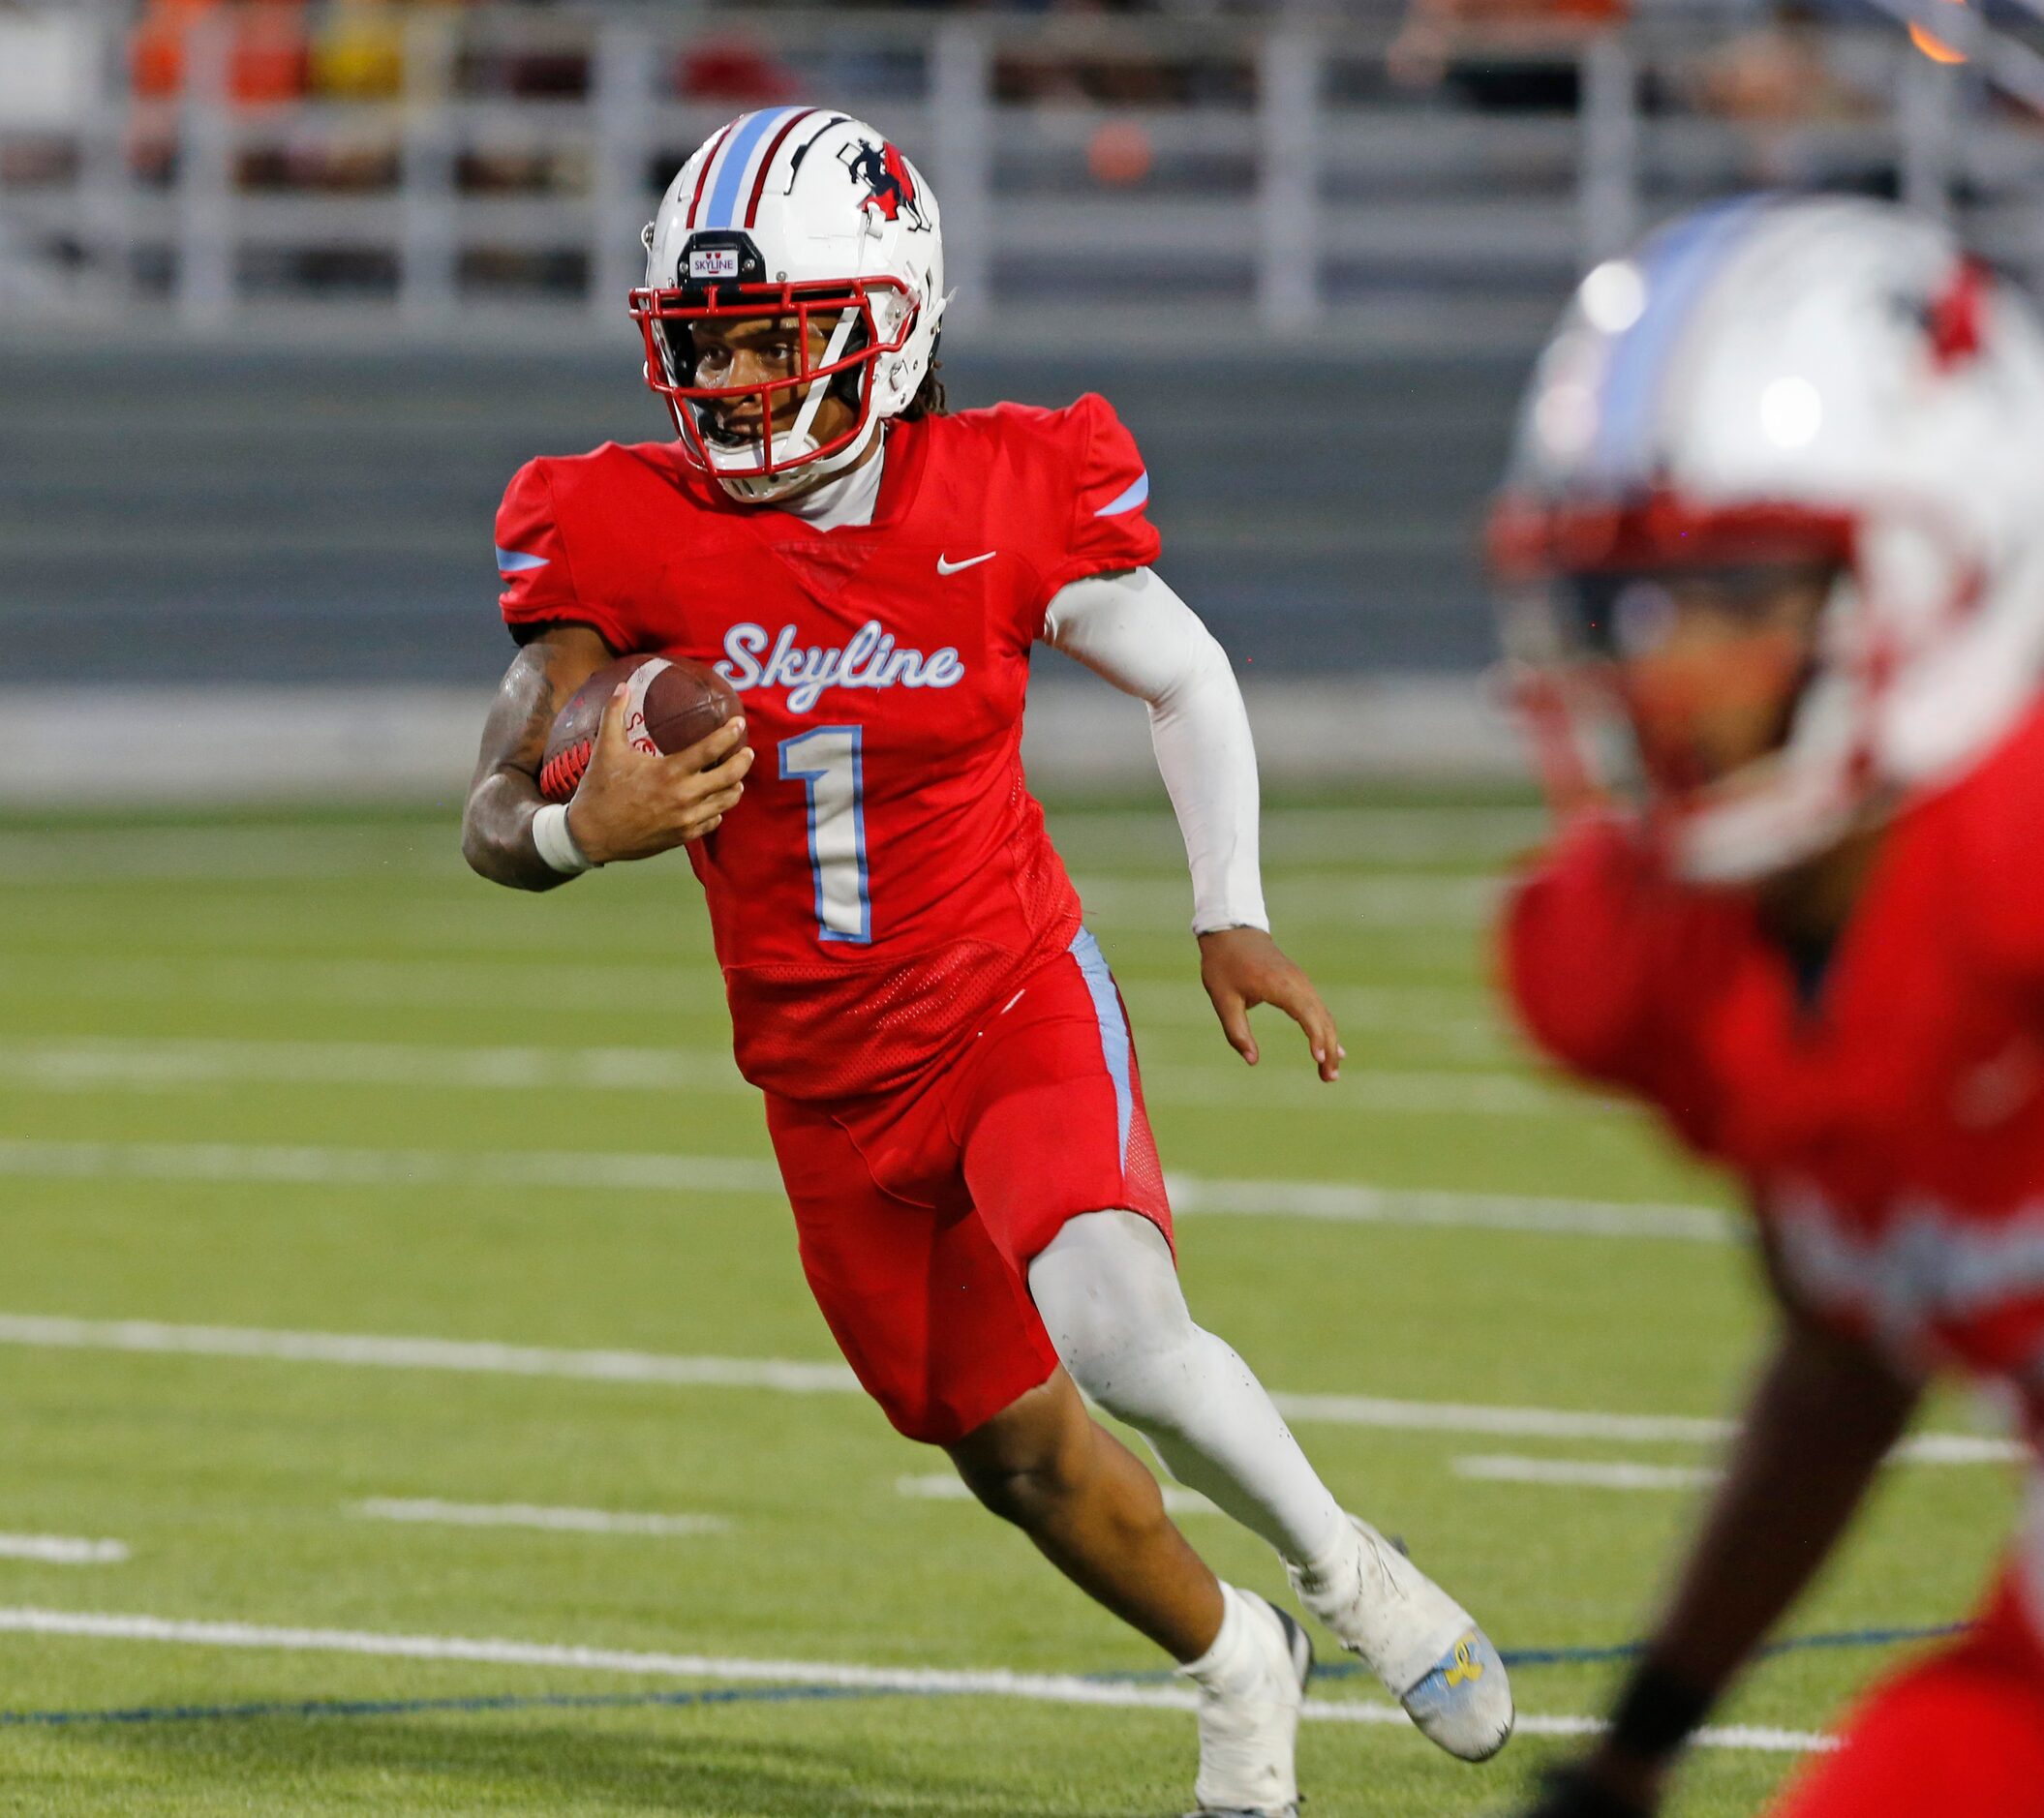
1632	1650
413	1706
793	1694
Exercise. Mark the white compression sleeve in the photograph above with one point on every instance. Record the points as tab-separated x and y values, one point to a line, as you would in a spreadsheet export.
1110	1298
1132	630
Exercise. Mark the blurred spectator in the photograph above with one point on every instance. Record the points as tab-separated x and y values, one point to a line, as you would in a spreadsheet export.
358	52
1503	54
734	70
1783	73
266	48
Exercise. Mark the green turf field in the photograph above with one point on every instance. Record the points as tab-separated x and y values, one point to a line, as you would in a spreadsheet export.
325	1169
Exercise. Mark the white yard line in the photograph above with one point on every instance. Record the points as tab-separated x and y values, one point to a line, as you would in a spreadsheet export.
942	1487
43	1331
1344	1203
311	1167
1587	1474
1435	1010
61	1550
462	1356
1631	1474
686	985
1413	900
985	1682
1193	1195
1414	836
434	1512
187	1064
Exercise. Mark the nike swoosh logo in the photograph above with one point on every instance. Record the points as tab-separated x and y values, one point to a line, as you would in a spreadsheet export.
971	561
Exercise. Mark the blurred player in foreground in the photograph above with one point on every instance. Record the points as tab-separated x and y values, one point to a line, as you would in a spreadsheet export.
950	1081
1774	561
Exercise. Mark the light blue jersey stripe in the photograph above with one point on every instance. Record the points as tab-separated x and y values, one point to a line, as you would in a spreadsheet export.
1115	1044
738	153
1677	271
516	562
1136	493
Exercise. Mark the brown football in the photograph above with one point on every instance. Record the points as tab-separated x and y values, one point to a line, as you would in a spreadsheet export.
673	702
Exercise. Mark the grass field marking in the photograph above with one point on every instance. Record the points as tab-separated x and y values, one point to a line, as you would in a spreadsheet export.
943	1487
1193	1195
1345	1203
995	1682
470	1356
465	1356
1317	836
220	855
1532	1423
1960	1448
62	1550
1413	902
186	1063
434	1512
487	984
1583	1472
1603	1473
313	1167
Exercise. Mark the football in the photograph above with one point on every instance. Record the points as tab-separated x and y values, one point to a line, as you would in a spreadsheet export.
674	702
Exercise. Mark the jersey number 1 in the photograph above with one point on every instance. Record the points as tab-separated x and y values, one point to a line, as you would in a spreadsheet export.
827	763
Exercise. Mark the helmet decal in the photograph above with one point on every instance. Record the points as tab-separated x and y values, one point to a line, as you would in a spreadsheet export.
1953	319
889	184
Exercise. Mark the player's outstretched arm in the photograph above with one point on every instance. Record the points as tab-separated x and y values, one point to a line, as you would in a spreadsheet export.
1131	629
630	804
1822	1417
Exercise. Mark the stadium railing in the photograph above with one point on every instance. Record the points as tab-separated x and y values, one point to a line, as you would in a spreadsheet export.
1158	174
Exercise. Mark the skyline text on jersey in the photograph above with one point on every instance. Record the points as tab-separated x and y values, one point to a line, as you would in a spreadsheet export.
868	659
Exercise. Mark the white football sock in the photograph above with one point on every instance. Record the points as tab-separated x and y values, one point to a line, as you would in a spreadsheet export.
1109	1299
1236	1661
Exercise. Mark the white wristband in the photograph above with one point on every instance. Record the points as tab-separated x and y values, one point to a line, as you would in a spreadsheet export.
556	844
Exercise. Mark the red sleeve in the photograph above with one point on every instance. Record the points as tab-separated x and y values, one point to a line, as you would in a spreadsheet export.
1109	526
533	561
1591	938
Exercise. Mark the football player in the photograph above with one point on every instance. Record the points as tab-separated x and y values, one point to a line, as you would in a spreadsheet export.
951	1085
1773	554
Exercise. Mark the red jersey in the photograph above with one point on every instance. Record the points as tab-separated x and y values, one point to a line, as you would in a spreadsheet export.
1889	1124
887	879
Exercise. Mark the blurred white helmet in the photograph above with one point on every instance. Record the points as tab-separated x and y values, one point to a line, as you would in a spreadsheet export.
1767	383
806	215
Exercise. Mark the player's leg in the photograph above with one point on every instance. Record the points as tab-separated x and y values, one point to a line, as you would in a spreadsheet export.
1094	1510
1109	1293
940	1330
1108	1290
1062	1166
1961	1732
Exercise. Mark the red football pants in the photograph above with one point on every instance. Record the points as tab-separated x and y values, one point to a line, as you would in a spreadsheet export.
920	1212
1958	1736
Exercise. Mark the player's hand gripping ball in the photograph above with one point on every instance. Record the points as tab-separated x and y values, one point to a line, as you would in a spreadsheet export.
671	704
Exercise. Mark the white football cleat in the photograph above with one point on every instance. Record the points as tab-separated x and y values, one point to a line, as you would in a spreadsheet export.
1247	1736
1417	1640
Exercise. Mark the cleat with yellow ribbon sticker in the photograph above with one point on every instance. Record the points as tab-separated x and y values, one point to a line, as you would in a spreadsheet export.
1420	1642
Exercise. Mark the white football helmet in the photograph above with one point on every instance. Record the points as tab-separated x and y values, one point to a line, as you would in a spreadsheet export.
1828	382
798	214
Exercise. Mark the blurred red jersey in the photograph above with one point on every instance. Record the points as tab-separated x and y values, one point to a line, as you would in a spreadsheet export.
887	880
1889	1121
